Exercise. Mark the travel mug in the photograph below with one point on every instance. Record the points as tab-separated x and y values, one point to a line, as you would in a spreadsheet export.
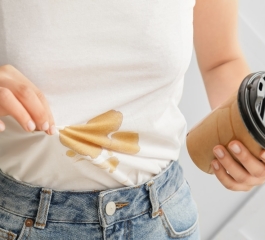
241	117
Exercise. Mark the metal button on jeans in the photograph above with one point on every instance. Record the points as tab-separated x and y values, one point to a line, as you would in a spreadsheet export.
29	222
110	208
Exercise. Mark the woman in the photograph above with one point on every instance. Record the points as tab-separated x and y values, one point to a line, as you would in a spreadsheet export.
95	87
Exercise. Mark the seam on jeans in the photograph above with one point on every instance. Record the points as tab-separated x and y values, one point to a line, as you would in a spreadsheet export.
104	233
66	221
100	206
103	193
29	232
125	219
166	180
165	227
172	195
23	232
14	213
125	233
50	220
129	228
172	233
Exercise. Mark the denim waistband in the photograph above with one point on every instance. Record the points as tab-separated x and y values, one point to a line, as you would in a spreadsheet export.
105	207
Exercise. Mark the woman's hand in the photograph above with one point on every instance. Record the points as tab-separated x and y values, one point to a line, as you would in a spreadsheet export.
242	175
22	100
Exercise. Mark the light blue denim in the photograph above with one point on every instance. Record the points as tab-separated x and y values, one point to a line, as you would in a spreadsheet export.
161	208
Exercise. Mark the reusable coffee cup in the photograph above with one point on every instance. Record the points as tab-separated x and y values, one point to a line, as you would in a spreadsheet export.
241	117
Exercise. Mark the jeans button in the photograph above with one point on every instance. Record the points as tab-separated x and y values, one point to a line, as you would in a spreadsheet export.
29	223
110	208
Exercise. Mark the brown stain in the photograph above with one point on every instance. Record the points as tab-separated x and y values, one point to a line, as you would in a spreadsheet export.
70	153
110	163
97	134
125	142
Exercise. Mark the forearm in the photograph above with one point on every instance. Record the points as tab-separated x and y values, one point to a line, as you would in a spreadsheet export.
217	48
223	80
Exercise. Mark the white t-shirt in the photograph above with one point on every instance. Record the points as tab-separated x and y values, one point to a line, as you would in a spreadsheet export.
112	72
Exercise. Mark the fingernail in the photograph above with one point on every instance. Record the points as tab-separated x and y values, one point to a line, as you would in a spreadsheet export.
45	126
2	127
235	148
215	165
52	129
219	152
31	126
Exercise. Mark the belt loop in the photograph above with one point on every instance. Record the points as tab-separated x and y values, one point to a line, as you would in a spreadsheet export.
45	199
150	186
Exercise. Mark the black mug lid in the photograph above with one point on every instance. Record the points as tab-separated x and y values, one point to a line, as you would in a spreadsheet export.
251	103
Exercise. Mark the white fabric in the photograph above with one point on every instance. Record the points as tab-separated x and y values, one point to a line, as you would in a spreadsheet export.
123	59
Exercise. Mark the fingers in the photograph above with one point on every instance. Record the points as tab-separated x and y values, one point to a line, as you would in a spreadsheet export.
24	101
254	166
33	106
239	175
9	105
227	180
44	102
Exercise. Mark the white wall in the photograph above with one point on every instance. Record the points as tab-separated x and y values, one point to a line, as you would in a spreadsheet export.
217	204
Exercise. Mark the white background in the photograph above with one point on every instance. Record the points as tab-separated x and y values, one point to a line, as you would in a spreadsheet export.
226	215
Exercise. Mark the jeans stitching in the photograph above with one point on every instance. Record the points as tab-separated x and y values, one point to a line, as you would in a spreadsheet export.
29	233
167	225
101	214
5	233
129	229
126	219
50	220
181	234
145	211
46	202
172	195
22	233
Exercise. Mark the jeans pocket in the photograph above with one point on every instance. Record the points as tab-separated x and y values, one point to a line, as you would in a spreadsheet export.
179	213
11	225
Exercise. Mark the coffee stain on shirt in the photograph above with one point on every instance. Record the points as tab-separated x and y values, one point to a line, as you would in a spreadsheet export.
97	134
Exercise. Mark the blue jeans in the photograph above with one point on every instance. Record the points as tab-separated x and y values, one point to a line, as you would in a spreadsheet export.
161	208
